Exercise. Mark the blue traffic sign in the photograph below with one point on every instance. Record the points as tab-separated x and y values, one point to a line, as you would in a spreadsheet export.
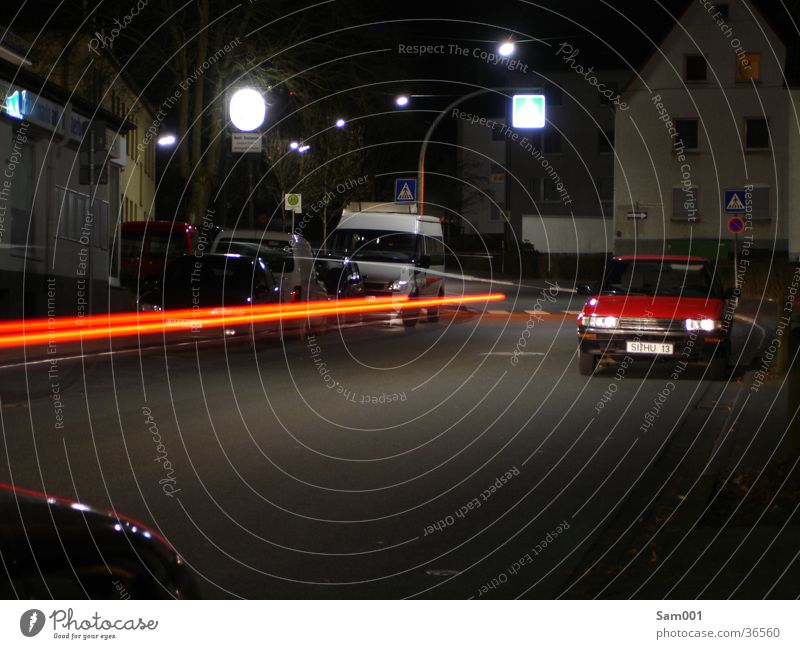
736	224
405	190
734	202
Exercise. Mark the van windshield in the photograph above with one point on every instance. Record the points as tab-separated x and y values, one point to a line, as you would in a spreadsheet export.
375	245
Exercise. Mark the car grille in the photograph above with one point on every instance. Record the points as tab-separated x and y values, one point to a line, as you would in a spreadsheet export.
651	324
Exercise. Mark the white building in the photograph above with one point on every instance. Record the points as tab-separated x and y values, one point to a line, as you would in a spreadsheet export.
709	115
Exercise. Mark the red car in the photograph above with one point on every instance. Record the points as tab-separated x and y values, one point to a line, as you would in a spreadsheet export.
668	307
147	248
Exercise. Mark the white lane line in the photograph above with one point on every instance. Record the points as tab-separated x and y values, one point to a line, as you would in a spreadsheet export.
571	312
498	311
512	354
532	312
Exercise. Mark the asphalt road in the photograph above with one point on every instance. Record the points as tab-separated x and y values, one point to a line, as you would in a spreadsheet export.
372	461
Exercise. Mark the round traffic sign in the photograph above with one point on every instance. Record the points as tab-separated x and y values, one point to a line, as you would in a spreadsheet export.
736	224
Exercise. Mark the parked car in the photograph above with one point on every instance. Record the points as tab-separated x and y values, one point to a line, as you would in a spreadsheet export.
342	280
57	548
669	307
148	247
292	261
399	254
213	280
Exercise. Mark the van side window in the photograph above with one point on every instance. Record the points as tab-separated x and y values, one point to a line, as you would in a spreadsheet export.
435	249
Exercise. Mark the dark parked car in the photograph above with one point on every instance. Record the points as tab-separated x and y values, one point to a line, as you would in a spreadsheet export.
202	282
342	281
56	548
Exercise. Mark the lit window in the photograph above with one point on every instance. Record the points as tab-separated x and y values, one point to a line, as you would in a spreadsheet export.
748	67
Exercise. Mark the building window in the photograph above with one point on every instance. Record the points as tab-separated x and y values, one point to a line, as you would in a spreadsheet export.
748	67
550	192
756	133
537	190
605	141
686	204
722	10
554	96
498	132
605	187
696	68
497	175
759	202
552	142
687	133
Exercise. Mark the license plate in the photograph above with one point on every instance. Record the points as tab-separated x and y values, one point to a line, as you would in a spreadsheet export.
371	298
638	347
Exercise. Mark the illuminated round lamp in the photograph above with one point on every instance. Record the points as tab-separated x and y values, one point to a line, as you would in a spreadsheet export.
402	101
294	145
340	123
506	49
247	109
167	140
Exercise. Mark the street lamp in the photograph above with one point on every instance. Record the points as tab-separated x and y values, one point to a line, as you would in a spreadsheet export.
294	145
506	49
303	148
167	140
247	109
340	123
401	101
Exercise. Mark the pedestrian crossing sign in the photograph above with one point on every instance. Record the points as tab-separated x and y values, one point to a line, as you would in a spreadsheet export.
735	201
405	190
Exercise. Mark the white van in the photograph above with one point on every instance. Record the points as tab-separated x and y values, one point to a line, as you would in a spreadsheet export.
290	259
399	254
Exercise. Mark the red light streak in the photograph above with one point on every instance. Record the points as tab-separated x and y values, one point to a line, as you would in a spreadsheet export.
69	329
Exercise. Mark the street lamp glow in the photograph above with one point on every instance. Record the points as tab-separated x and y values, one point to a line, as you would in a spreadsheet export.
506	49
167	140
340	123
294	145
303	148
402	101
247	109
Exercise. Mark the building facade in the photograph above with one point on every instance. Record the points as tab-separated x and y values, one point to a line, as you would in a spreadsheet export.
704	139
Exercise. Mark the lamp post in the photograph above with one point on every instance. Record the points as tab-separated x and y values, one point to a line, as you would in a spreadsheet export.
247	111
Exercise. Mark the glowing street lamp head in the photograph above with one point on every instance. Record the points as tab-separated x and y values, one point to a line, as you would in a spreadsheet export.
402	101
303	148
294	145
247	109
167	140
340	123
506	49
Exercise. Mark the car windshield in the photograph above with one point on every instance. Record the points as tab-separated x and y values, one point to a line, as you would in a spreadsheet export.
375	245
661	278
278	254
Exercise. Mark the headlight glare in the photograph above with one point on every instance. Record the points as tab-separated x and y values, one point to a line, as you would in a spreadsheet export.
603	322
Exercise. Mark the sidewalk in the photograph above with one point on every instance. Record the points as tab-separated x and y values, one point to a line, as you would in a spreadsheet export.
717	516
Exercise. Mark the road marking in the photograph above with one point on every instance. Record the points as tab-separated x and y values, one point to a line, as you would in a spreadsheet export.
498	312
512	354
532	312
572	312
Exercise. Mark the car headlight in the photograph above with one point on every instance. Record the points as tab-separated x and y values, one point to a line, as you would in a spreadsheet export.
706	324
603	322
150	307
398	285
